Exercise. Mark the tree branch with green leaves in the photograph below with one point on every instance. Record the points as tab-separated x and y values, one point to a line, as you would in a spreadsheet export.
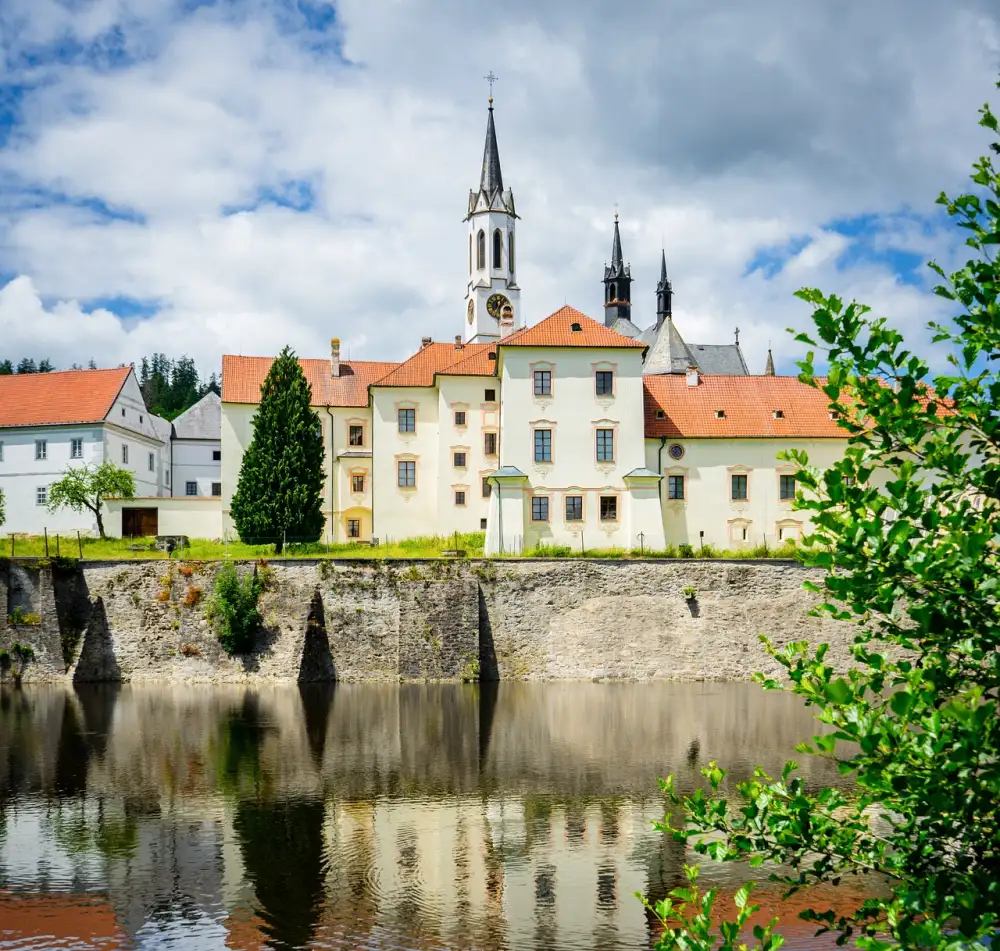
905	529
87	487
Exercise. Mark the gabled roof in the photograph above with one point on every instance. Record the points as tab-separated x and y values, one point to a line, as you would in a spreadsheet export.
476	364
556	330
748	404
201	421
435	358
242	378
723	359
668	353
59	398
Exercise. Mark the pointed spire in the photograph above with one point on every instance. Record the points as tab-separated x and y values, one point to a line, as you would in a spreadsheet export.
616	249
769	369
663	266
664	294
491	180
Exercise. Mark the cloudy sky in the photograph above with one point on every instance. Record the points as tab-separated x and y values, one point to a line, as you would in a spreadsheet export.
210	176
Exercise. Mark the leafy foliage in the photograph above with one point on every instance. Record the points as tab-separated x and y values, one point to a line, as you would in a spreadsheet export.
86	487
906	528
281	476
233	608
3	511
171	386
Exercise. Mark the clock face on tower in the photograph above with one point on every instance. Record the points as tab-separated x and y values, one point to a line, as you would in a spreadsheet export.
496	304
471	310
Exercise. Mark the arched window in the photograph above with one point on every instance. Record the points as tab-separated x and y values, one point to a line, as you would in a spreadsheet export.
510	253
481	250
497	249
613	292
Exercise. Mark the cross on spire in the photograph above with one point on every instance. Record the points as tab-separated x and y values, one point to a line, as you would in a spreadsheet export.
491	79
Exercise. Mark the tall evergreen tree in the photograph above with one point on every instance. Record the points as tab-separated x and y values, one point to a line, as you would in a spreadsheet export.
27	365
46	366
6	368
281	479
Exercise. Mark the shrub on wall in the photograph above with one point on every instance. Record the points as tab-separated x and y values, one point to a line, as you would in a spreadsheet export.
234	611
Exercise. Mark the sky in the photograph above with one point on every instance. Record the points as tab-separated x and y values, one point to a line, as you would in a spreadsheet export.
229	176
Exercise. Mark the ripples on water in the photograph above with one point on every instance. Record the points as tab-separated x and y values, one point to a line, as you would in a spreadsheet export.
437	817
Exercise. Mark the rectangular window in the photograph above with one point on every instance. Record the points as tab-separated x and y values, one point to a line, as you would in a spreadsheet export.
76	449
216	455
41	449
609	508
407	420
216	488
406	475
487	488
152	462
490	444
1	452
605	445
490	396
124	454
356	436
574	508
42	495
482	524
739	490
354	528
459	460
539	509
357	483
460	496
168	478
605	383
190	488
460	417
543	445
675	487
786	487
543	382
848	480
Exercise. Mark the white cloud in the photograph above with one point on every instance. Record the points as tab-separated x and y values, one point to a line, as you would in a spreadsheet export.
719	131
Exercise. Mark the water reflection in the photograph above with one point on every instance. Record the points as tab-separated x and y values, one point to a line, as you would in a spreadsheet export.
500	816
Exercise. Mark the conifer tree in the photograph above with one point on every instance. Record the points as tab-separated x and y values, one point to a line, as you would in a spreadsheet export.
278	497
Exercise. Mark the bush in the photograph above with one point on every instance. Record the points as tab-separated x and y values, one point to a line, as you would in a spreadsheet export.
685	551
234	609
20	616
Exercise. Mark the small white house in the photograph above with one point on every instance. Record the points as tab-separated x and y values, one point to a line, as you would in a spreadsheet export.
50	422
196	450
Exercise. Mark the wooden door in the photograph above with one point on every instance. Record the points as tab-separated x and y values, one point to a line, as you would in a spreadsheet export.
140	522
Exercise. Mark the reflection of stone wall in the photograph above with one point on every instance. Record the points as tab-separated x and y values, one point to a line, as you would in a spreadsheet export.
390	621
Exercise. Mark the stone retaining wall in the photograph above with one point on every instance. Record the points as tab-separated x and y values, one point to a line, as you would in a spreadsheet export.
420	620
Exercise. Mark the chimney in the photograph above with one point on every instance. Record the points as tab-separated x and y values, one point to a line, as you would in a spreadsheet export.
458	342
692	376
426	342
334	357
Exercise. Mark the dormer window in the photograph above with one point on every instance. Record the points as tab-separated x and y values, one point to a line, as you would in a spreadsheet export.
660	414
778	414
834	415
576	328
720	414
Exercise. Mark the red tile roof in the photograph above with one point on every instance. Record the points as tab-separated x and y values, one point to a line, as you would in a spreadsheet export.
436	358
556	330
242	378
748	403
477	364
53	399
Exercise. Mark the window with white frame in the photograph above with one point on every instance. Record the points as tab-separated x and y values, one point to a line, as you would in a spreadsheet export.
355	435
407	420
358	482
543	445
124	454
459	459
460	496
42	495
574	508
738	491
460	417
354	528
604	383
152	462
41	449
540	508
786	487
76	449
406	474
605	445
190	488
675	487
609	508
543	382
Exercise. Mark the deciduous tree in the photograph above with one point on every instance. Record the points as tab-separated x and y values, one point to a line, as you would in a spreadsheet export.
86	487
906	531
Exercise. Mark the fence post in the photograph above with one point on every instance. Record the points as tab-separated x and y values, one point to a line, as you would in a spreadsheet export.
642	550
79	544
57	546
11	544
46	533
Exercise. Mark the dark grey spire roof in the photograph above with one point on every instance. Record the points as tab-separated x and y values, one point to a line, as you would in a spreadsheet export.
618	267
663	266
769	368
491	181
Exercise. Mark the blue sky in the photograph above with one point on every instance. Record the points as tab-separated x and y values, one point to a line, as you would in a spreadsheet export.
209	176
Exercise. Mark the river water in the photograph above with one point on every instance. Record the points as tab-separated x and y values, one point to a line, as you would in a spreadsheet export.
445	817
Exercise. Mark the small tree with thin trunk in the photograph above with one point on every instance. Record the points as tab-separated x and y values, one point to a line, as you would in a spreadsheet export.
86	487
279	494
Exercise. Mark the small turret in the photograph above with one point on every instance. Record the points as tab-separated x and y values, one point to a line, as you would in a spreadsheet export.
617	284
664	294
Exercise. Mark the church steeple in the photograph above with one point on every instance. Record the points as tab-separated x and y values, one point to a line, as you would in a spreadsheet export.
664	294
492	297
617	284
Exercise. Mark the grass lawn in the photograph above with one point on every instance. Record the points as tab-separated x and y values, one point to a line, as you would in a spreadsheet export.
112	549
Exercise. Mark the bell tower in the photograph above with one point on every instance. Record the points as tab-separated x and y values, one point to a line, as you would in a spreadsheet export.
492	297
617	284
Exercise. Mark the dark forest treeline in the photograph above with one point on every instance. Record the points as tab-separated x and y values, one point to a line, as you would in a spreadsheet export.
168	386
